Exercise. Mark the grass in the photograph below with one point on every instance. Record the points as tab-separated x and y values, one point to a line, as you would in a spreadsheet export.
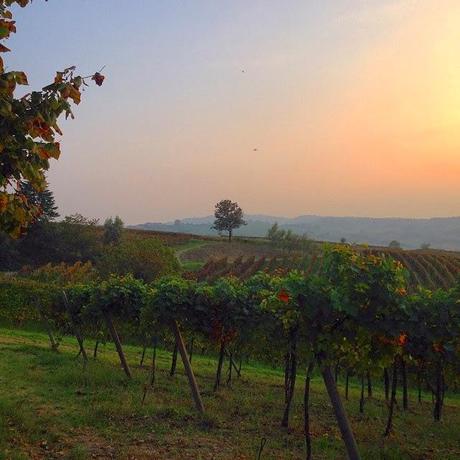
51	406
182	249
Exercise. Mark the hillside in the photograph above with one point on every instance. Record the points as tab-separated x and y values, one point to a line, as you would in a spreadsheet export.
442	233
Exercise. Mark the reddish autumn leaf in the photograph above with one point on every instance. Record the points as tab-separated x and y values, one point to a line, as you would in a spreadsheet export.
283	296
59	77
98	78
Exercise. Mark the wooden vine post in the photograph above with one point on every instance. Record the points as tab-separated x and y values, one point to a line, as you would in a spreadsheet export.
116	339
49	330
75	327
340	414
188	368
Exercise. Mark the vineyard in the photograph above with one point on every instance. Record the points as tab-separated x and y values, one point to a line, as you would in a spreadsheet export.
430	269
342	315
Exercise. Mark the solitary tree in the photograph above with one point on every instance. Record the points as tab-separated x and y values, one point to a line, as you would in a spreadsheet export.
228	217
112	230
394	244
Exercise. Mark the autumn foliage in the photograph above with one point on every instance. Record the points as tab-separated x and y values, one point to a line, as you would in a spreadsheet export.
29	130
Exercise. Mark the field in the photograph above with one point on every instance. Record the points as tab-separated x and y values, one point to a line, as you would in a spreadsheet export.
51	407
429	268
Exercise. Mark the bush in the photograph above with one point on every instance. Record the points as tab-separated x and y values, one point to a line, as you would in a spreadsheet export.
22	300
62	273
146	259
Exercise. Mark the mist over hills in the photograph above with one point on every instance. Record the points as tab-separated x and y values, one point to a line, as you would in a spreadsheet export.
441	233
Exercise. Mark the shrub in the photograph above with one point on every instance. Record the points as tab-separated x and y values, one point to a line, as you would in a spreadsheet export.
62	273
22	300
146	259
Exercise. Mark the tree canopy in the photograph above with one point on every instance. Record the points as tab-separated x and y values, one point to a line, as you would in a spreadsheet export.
29	130
112	230
228	217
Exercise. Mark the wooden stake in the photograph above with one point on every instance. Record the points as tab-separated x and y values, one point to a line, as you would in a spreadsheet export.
116	339
188	368
76	329
340	414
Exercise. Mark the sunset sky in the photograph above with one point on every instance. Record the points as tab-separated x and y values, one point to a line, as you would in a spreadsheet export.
353	105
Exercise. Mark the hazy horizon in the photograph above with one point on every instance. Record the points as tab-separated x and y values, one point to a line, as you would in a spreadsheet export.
255	216
350	108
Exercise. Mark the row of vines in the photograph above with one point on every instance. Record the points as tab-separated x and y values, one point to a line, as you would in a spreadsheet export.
428	269
352	312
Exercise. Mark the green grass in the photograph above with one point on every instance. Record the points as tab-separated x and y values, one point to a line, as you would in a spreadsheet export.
192	266
180	250
51	406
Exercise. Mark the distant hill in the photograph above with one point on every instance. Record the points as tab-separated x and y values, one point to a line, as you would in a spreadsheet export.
441	233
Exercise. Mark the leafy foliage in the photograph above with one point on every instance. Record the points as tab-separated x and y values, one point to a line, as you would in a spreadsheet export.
112	230
229	216
28	131
286	239
43	200
62	274
146	259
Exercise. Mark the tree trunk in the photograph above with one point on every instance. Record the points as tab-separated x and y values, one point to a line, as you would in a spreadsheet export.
80	343
152	371
49	331
386	382
347	378
232	361
229	377
361	399
154	362
173	361
219	366
96	346
188	368
340	414
292	373
116	339
369	385
419	386
306	411
404	384
394	384
287	364
336	372
144	348
230	236
437	412
235	367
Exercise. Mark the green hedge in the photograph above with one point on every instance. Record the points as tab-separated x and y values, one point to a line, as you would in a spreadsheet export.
21	300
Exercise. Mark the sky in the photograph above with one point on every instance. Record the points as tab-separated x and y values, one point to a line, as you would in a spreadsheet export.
290	107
